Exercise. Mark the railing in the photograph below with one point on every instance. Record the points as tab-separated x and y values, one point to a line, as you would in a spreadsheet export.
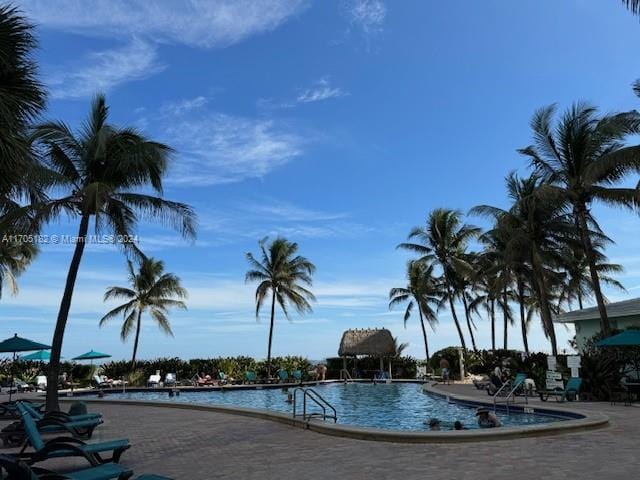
507	392
345	375
316	398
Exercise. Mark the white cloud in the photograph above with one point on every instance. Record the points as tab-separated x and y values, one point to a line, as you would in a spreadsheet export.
201	23
366	15
216	148
104	70
321	90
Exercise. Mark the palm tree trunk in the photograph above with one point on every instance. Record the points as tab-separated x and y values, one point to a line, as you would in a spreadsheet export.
541	292
455	318
580	300
523	318
505	311
424	333
581	212
273	315
469	326
63	314
492	310
135	342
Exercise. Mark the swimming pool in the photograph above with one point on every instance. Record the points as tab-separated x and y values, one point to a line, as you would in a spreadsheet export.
396	406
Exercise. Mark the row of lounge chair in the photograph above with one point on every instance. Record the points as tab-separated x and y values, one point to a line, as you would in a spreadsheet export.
103	457
519	387
170	379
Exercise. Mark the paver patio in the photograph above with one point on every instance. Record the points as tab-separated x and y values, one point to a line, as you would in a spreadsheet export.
208	445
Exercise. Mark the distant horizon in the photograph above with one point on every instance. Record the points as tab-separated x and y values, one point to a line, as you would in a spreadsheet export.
382	112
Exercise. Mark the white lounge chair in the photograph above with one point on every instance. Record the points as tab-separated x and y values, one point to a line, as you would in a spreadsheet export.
170	380
154	381
41	382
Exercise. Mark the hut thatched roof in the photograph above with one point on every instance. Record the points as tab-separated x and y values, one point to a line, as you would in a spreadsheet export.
374	342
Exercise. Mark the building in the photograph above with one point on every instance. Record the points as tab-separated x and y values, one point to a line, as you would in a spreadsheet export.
622	315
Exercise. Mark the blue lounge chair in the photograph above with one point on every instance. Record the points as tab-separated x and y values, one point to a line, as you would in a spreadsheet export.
250	377
16	468
570	392
283	375
67	446
62	416
297	375
10	409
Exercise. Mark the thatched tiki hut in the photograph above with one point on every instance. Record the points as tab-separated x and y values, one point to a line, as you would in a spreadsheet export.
371	342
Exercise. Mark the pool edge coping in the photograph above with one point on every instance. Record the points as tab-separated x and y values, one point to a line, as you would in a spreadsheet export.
586	423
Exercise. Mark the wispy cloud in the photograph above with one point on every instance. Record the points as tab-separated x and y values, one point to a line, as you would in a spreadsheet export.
366	15
104	70
205	24
321	90
216	147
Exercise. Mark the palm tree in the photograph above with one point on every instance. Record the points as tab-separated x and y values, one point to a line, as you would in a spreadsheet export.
15	256
582	157
152	290
282	273
444	241
104	170
633	5
423	290
22	98
398	347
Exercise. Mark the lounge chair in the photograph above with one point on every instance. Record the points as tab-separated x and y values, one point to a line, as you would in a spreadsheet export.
154	381
170	380
297	375
66	446
65	417
16	468
102	381
223	379
14	433
41	382
10	409
570	392
250	377
283	376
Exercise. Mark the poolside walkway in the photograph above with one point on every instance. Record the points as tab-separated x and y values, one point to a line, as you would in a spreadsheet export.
194	445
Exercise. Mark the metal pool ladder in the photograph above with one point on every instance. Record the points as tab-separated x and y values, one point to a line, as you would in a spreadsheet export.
508	392
309	394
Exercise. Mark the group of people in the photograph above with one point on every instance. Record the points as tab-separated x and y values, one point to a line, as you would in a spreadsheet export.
486	419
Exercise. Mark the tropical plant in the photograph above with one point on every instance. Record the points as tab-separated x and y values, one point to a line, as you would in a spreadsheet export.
22	98
581	157
15	256
281	272
104	170
633	6
152	290
400	347
444	241
424	291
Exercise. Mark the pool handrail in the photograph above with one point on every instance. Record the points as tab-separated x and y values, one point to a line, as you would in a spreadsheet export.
315	397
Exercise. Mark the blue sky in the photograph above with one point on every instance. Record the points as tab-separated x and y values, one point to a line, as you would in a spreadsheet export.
339	125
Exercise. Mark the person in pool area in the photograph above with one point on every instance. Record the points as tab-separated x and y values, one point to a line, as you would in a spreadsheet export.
457	425
444	367
486	418
434	424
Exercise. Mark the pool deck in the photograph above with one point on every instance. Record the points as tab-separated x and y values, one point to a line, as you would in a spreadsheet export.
190	444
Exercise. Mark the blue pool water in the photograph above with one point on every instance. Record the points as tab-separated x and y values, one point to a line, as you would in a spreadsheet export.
397	406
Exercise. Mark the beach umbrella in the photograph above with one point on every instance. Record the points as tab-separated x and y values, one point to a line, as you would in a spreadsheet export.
92	355
628	338
17	344
39	356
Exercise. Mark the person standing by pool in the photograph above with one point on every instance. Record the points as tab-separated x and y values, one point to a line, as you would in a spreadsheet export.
444	369
487	419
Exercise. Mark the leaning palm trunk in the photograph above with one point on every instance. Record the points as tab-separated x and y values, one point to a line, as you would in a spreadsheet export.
273	314
455	319
505	311
523	319
53	373
593	269
424	333
545	311
469	326
135	342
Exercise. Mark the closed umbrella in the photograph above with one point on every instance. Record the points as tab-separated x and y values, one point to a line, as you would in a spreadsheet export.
17	344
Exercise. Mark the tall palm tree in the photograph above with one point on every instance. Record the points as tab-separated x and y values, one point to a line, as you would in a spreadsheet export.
423	291
104	171
633	5
22	98
444	241
284	274
582	157
151	290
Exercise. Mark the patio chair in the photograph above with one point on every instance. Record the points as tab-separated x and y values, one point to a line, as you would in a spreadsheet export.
570	392
14	433
297	376
283	375
223	379
170	380
154	381
62	416
16	468
67	446
41	382
102	381
250	377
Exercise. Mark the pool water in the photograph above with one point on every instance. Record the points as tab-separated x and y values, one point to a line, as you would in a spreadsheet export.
397	406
